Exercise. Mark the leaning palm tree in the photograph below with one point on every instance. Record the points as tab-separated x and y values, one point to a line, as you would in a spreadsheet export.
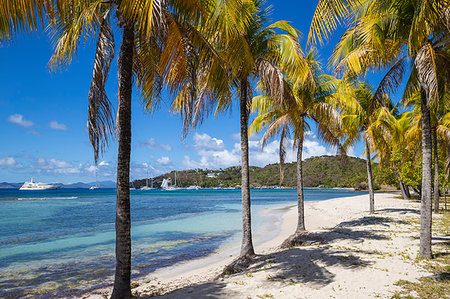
255	53
147	27
304	100
359	113
388	34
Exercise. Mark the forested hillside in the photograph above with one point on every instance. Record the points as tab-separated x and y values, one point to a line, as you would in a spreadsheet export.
324	171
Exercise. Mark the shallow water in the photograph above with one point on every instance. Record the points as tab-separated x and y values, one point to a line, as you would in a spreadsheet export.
61	242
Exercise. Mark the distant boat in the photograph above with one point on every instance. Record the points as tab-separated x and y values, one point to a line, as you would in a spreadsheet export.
193	187
167	184
94	187
146	187
31	185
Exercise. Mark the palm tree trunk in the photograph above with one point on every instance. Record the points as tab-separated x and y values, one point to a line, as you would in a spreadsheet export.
403	190
247	243
426	201
408	194
300	198
122	287
403	187
436	172
369	180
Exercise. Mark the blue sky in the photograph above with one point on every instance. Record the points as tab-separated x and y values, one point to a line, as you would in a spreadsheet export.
43	118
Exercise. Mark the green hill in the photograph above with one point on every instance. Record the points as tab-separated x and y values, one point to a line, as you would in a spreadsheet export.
323	171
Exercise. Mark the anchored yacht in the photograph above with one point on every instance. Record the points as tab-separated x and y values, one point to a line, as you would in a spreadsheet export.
31	185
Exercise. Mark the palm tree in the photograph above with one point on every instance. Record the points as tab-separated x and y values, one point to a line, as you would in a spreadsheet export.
386	34
253	53
360	111
304	100
396	140
145	27
440	126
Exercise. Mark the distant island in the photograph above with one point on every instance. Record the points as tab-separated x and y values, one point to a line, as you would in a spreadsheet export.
323	171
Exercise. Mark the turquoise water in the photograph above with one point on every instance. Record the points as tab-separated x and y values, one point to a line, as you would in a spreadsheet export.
61	242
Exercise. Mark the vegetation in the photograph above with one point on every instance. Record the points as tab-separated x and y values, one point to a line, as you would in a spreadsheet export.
387	35
322	172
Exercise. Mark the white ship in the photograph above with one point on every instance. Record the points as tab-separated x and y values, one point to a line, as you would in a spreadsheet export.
31	185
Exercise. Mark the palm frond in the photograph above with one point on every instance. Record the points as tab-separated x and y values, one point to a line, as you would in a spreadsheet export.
282	152
427	73
327	16
100	118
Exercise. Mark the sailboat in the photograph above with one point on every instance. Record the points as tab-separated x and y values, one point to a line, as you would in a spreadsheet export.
194	187
96	186
167	184
146	187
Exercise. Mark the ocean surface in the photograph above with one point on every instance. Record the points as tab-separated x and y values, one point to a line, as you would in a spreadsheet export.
60	243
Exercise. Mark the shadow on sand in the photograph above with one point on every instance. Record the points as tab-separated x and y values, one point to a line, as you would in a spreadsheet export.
303	264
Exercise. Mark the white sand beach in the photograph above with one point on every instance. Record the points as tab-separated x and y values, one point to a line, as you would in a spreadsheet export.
354	255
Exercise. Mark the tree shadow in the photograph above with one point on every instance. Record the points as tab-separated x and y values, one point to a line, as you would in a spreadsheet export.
206	290
400	210
371	220
295	265
342	233
307	265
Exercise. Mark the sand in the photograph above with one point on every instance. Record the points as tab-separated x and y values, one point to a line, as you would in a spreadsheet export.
356	255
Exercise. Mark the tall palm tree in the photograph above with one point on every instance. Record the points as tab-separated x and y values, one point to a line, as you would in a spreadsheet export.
147	28
388	34
304	100
254	53
440	125
359	113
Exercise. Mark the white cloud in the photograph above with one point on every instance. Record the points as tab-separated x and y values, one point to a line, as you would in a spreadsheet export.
57	166
9	162
164	160
103	163
91	168
57	126
312	148
19	120
351	152
151	144
213	154
205	142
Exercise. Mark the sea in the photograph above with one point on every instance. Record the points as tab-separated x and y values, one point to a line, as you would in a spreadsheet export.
60	243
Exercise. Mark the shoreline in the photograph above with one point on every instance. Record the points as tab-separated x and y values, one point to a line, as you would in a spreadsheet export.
320	215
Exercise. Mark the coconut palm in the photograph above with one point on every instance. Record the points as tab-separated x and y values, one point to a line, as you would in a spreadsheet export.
440	127
304	101
388	34
396	140
147	28
255	53
359	113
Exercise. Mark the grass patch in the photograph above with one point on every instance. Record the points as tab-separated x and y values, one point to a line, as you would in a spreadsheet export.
425	288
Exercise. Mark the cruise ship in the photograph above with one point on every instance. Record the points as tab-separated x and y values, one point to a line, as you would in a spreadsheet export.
31	185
